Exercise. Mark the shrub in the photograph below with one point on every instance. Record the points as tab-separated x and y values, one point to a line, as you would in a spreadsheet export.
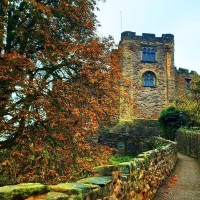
170	120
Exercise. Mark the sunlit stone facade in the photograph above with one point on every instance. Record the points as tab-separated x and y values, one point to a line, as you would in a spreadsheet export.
147	62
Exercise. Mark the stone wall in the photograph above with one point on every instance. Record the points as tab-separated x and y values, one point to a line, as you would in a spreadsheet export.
188	142
130	137
183	80
137	179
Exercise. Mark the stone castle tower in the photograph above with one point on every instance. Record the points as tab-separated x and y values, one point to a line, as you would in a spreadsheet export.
148	64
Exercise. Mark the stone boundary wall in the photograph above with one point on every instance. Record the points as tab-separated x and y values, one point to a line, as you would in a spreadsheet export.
137	179
188	142
130	137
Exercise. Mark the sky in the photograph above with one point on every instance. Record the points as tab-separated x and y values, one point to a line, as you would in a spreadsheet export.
178	17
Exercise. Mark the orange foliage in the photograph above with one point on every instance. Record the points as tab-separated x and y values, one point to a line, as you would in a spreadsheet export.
59	83
173	181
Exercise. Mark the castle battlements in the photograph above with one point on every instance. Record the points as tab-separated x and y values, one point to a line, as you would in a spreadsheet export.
128	35
183	71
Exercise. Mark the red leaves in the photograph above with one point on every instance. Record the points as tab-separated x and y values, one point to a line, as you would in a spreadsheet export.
173	181
38	161
170	185
60	83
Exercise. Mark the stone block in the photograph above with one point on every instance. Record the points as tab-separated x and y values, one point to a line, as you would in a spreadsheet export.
51	196
125	167
97	180
77	190
22	191
105	170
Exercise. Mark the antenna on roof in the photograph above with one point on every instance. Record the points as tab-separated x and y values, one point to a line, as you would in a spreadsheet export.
121	19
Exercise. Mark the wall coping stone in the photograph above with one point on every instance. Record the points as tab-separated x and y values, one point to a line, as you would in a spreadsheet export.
97	180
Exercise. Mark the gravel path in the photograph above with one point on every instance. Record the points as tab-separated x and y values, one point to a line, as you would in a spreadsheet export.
183	183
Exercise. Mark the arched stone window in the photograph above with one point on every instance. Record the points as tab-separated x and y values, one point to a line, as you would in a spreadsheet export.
149	79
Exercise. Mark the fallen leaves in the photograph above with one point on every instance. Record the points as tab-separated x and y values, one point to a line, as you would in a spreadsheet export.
172	181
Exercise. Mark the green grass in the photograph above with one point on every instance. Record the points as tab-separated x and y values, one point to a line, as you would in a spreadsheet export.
120	159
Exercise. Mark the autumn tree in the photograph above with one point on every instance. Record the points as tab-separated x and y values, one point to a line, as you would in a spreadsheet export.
59	82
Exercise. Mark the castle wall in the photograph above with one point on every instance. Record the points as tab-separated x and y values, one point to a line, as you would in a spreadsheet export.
147	102
183	80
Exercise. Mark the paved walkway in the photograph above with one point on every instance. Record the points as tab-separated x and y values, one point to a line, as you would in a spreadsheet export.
184	182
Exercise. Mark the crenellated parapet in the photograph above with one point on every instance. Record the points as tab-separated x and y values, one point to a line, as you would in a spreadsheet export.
128	35
183	71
